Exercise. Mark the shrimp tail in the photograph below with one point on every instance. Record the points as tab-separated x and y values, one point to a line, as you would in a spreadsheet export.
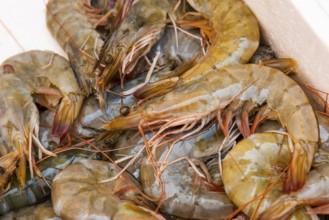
130	121
279	210
67	111
298	169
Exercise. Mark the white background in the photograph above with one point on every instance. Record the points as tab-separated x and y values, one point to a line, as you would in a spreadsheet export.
26	21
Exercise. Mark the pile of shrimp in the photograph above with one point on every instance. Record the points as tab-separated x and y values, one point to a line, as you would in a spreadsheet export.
165	109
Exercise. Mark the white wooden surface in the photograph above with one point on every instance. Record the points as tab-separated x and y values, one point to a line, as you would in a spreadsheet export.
25	20
298	29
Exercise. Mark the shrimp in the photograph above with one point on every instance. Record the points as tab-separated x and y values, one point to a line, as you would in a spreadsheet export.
19	118
42	211
183	192
133	38
257	163
68	22
50	76
77	194
234	40
314	193
238	90
37	189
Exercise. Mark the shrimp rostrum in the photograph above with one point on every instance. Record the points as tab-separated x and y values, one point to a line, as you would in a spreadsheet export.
234	90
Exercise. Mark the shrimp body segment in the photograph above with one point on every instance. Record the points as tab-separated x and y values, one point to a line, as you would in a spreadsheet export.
236	34
199	100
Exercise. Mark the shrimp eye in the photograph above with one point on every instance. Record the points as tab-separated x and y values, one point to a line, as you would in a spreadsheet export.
124	110
2	171
7	69
108	59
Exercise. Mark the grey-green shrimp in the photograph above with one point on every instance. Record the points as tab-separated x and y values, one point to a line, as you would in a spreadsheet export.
50	78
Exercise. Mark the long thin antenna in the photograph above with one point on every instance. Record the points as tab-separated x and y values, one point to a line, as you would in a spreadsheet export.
12	36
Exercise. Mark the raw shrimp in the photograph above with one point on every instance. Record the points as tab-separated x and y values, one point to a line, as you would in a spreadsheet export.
77	194
42	211
314	193
237	89
183	192
68	22
37	189
49	75
234	40
257	163
132	39
19	118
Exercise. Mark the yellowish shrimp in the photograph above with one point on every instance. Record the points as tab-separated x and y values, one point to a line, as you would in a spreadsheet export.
51	78
77	194
69	23
19	124
253	173
314	193
238	90
134	37
234	40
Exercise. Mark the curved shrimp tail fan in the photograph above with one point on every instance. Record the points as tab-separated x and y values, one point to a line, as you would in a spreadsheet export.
130	121
299	168
67	111
279	210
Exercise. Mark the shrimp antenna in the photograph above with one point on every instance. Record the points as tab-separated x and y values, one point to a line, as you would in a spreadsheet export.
12	36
